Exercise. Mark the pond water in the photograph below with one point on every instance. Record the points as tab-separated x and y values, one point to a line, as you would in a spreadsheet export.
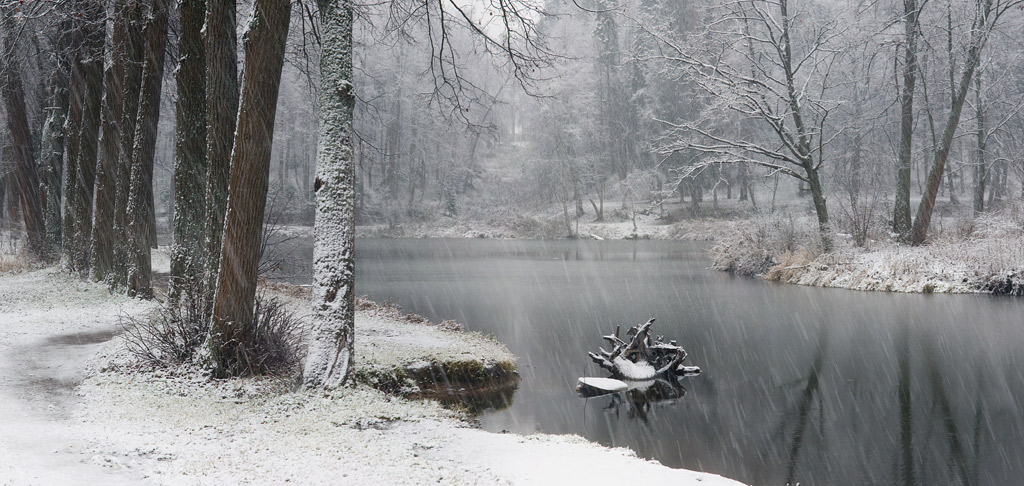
800	385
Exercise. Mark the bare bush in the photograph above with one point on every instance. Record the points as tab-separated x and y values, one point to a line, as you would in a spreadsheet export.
174	334
772	239
276	344
170	335
862	219
742	254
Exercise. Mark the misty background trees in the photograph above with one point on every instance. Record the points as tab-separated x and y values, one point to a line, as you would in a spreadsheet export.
135	124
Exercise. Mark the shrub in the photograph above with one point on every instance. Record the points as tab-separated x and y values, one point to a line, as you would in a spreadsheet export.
171	334
174	334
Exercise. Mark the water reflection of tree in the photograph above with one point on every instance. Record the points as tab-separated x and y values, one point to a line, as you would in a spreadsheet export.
964	461
905	399
967	474
810	394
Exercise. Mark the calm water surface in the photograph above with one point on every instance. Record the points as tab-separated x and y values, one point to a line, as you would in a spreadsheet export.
807	385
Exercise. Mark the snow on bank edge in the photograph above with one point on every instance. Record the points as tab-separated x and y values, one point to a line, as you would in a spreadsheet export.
179	428
181	433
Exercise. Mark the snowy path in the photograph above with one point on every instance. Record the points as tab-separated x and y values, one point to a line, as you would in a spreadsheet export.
43	351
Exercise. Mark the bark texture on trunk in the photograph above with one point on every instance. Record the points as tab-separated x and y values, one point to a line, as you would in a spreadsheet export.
980	172
330	349
51	152
93	44
190	150
221	113
923	220
901	217
52	143
25	176
231	332
102	241
72	129
132	86
144	150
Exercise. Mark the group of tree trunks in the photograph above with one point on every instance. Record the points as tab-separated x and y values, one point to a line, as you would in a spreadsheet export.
93	207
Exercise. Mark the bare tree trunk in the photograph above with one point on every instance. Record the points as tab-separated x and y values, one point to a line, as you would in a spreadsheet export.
25	175
10	190
264	43
980	174
331	348
94	43
131	88
221	110
187	260
8	195
53	139
144	150
924	211
820	209
52	148
103	239
901	217
744	180
72	129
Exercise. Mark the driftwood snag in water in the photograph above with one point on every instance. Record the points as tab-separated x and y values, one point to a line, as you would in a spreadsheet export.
642	358
591	386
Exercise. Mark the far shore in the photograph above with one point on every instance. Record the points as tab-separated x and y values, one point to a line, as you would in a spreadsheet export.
983	255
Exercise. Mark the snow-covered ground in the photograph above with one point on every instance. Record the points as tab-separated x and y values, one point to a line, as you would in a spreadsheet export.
49	327
987	258
113	424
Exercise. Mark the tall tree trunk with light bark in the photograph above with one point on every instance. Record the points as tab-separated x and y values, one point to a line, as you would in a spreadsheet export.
190	151
231	333
330	350
221	111
143	152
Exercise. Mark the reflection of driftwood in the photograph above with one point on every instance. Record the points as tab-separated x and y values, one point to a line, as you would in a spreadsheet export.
642	358
643	396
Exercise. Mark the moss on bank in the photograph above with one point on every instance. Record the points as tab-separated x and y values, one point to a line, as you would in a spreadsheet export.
411	357
407	355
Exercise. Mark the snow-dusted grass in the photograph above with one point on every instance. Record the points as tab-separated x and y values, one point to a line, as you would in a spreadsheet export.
970	256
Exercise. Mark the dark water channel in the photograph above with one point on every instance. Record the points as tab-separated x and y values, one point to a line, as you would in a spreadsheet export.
800	385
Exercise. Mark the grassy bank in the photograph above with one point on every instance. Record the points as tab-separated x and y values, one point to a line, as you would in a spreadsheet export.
982	255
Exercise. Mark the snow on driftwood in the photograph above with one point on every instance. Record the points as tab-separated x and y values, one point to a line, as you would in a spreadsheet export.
642	358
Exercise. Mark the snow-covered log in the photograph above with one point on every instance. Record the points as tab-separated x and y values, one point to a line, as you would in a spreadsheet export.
642	358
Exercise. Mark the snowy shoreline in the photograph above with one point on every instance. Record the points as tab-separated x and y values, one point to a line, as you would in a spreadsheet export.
990	259
117	424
